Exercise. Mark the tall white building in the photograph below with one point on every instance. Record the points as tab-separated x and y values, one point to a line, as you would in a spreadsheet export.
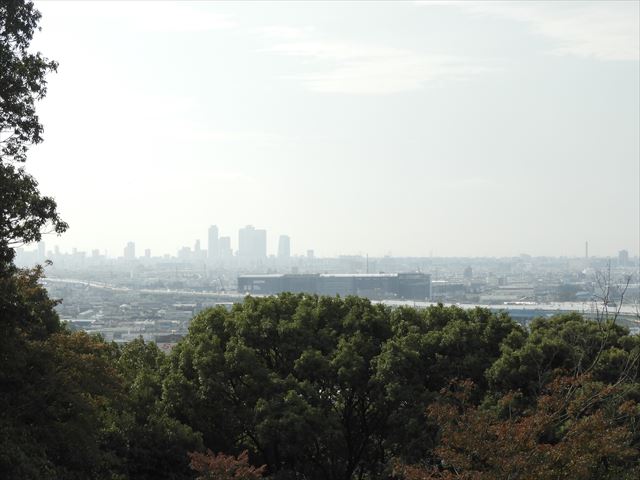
252	243
224	247
284	247
130	251
212	245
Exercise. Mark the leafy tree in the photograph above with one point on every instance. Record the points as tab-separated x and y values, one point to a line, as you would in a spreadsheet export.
75	407
24	212
145	442
577	429
320	387
565	344
429	348
53	388
224	467
57	389
561	401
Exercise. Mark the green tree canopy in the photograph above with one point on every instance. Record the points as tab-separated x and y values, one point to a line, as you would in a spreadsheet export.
565	344
53	388
145	442
320	387
24	212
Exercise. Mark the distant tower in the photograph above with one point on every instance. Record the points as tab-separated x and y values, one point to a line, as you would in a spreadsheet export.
245	241
147	253
284	247
130	251
212	245
224	247
586	250
252	243
261	243
310	254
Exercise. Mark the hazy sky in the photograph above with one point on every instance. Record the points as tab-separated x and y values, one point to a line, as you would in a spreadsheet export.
451	128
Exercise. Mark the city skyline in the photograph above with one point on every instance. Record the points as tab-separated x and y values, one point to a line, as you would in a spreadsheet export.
280	251
264	239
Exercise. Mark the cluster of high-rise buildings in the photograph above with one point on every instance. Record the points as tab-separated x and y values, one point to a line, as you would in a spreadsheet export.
251	248
218	247
252	244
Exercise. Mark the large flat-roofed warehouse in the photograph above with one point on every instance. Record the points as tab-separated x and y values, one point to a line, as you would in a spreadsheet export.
409	286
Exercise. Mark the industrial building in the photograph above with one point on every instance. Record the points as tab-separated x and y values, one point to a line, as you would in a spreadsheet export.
408	286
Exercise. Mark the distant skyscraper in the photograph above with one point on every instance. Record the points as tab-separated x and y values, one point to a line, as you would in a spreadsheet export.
245	241
130	251
185	254
310	254
198	253
224	247
284	247
212	244
147	253
252	243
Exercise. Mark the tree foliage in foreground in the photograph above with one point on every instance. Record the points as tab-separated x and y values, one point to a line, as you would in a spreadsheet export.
24	212
317	388
219	466
578	429
53	386
310	387
75	407
320	387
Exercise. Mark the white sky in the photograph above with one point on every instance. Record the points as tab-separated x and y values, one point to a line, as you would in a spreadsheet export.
452	128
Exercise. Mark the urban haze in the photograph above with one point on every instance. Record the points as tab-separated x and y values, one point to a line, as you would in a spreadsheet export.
453	129
460	152
319	240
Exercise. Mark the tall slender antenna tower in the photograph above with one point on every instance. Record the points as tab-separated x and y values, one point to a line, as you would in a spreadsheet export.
586	250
